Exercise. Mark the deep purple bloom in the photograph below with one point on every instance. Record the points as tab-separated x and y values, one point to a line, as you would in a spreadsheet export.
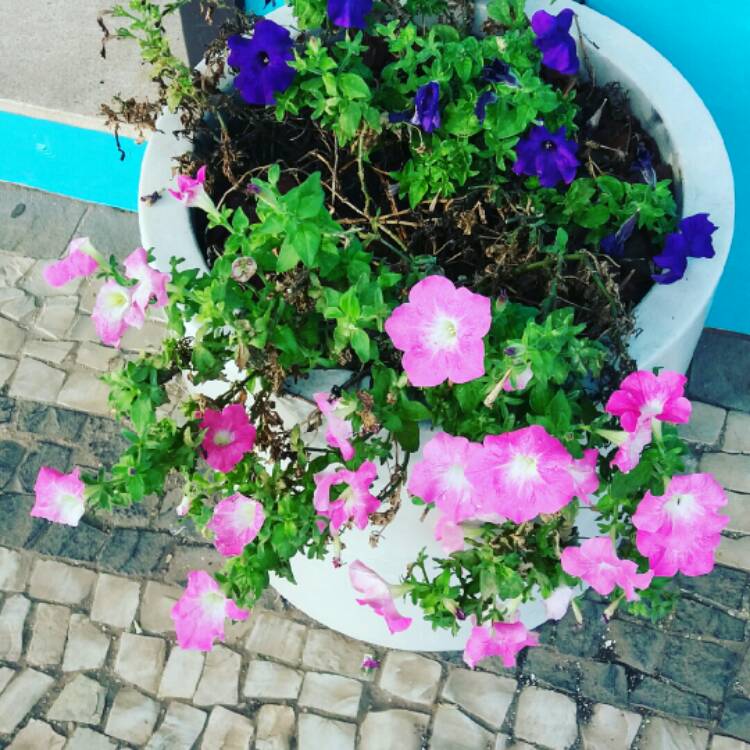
644	164
488	97
553	39
349	14
614	244
549	156
691	240
426	110
498	71
263	62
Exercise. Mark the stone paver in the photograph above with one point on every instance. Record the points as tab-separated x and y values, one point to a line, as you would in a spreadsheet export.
132	717
11	337
12	618
115	601
56	582
728	743
383	730
81	700
140	660
36	381
410	677
84	391
88	739
734	552
37	735
14	570
546	718
266	680
219	682
50	629
179	729
7	368
731	470
453	730
737	433
326	651
662	734
738	510
705	425
275	727
482	694
158	600
181	675
20	696
277	638
87	645
227	730
53	352
315	732
56	316
331	694
610	728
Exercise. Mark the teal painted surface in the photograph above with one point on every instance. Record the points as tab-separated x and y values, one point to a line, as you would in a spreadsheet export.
261	7
707	41
79	163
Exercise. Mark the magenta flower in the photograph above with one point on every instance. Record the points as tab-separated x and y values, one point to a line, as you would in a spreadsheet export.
518	381
152	284
338	428
355	502
549	156
440	330
114	312
450	535
81	259
643	396
440	476
631	445
557	603
554	41
596	563
523	473
349	14
378	595
59	497
229	436
585	478
236	522
680	530
503	639
192	192
200	612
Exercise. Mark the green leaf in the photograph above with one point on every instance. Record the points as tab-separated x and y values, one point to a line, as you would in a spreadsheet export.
349	304
353	86
408	437
415	411
288	256
142	413
306	242
593	217
360	342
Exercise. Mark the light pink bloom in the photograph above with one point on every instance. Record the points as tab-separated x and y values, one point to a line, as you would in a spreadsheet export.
518	382
503	639
680	530
191	191
338	428
356	501
440	330
557	603
378	595
645	396
450	535
440	476
631	445
183	507
236	522
152	284
596	563
523	473
200	612
59	497
585	478
114	312
81	259
229	436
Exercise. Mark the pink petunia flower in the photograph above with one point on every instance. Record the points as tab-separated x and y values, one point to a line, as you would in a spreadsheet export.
585	479
152	284
630	446
81	259
597	563
114	312
200	612
557	603
192	192
440	330
645	396
355	502
378	595
440	476
519	381
59	497
450	535
680	530
503	639
236	522
229	436
523	473
338	428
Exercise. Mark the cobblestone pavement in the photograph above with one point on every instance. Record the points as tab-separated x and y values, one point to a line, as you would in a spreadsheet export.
87	655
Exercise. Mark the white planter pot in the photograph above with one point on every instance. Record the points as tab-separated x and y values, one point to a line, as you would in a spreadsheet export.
669	319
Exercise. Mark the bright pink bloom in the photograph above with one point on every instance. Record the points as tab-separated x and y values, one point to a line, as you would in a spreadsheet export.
597	563
503	639
200	612
631	445
450	535
114	312
81	259
356	501
645	396
557	603
59	497
440	476
378	595
152	284
441	330
523	473
338	428
680	530
192	192
585	478
236	522
229	436
518	382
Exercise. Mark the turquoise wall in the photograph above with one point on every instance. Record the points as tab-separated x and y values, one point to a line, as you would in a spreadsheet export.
709	42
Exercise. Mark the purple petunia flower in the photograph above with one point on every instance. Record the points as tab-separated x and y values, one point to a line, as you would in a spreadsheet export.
614	244
426	111
263	62
644	164
498	71
549	156
349	14
553	39
691	240
480	110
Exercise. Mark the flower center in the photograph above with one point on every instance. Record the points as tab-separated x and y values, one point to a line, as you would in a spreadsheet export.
455	477
681	506
68	500
117	300
247	513
548	146
214	602
523	467
223	437
444	333
349	498
653	407
263	57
